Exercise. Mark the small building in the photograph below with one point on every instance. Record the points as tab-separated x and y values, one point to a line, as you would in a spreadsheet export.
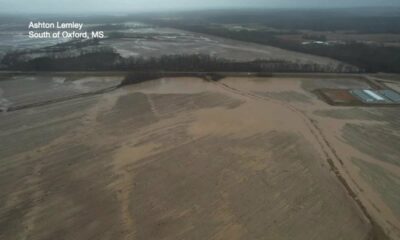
360	94
370	96
390	95
375	96
360	97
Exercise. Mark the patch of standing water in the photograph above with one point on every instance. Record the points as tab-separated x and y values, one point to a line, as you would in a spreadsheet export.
180	85
4	102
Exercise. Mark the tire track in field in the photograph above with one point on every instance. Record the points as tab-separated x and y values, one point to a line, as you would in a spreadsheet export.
328	151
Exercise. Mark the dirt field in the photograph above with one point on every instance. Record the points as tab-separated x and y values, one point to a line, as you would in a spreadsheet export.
362	142
21	90
244	158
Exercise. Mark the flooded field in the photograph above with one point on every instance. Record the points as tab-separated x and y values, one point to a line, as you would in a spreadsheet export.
12	38
146	41
182	158
151	41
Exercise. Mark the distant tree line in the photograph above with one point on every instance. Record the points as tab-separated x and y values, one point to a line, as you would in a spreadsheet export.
367	57
108	60
314	37
61	58
142	76
355	20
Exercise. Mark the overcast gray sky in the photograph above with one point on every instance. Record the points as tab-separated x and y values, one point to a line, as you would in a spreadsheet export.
145	5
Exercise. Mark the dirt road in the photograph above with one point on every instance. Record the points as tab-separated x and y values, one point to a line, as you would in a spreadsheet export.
178	159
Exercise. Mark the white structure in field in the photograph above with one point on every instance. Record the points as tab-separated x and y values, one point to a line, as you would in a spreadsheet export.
386	96
374	95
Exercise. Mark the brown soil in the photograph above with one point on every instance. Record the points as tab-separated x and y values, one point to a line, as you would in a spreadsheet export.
185	159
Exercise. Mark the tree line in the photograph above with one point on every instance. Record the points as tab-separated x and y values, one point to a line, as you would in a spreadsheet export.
369	58
109	60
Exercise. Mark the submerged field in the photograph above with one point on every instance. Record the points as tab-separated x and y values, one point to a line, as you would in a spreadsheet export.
151	41
145	41
182	158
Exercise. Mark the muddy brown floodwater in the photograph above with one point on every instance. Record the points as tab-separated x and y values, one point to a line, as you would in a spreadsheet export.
181	158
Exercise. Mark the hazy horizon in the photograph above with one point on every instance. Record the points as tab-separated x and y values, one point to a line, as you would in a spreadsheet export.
124	6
